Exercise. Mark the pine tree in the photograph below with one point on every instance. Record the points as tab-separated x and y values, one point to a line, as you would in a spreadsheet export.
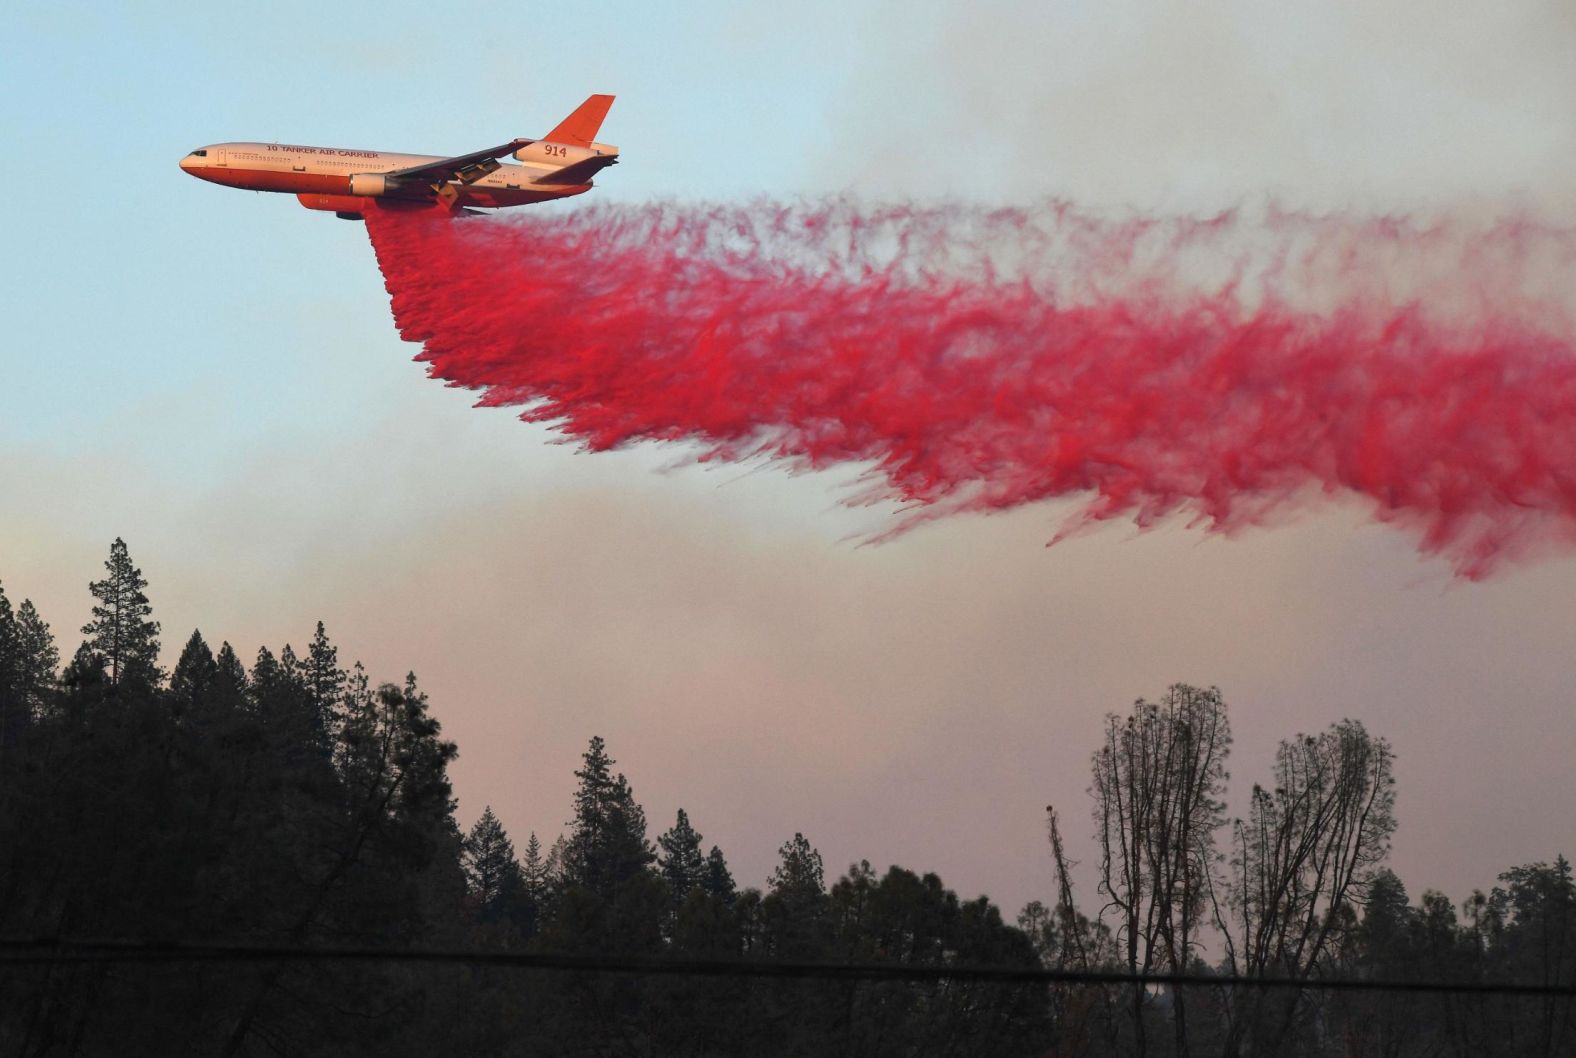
557	858
269	687
122	630
596	777
607	843
793	911
38	658
420	756
12	713
491	872
86	669
1386	911
28	660
358	715
290	666
280	696
228	692
193	676
534	868
716	880
799	877
265	671
680	859
7	633
325	684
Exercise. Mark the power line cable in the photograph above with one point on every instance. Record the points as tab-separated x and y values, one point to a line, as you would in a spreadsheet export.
50	951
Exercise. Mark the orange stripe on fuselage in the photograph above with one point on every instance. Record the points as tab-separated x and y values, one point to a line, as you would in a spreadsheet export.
273	180
293	183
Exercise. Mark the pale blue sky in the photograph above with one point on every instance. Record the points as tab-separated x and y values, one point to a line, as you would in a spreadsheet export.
200	311
215	376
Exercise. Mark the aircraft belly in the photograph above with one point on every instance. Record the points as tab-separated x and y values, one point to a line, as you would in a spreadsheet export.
272	180
326	186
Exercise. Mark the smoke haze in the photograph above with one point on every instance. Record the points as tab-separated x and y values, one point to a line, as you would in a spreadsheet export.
274	458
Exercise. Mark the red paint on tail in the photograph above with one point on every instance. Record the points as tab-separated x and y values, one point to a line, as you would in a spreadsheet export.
985	360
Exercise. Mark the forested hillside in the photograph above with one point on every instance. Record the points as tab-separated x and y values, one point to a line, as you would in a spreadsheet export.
295	802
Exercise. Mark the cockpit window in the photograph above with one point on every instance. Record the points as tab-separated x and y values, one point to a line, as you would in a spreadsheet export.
199	154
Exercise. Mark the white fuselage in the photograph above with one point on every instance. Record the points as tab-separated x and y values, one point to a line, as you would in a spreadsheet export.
322	176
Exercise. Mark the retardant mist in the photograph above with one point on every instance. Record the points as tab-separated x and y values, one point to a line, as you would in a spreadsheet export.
1226	369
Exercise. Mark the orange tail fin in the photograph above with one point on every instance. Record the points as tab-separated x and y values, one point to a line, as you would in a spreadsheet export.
580	128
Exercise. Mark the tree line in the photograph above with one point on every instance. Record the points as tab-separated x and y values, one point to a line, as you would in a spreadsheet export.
1296	890
295	802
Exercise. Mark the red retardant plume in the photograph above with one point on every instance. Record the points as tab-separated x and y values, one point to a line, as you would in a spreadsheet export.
978	360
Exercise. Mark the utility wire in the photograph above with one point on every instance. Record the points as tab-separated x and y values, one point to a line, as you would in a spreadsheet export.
50	951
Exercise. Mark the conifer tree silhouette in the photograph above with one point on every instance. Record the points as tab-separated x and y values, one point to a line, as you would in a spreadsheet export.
122	629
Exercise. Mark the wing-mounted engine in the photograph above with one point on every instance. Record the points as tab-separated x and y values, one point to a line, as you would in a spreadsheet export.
377	185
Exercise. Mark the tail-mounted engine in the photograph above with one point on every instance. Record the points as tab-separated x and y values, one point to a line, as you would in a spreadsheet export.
544	152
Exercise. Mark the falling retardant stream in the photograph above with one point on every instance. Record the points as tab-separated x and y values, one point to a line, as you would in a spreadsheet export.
1227	369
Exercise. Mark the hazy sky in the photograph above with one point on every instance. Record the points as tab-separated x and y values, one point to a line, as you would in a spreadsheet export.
214	376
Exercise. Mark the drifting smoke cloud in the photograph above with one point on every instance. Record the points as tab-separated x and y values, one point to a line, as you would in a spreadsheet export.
1224	368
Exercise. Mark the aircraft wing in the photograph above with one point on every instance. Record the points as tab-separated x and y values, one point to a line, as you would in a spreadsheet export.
466	168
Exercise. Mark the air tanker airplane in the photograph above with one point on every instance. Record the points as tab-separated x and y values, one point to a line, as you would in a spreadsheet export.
349	183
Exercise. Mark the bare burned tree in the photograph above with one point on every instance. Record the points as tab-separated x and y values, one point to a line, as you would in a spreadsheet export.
1085	1015
1158	784
1075	948
1300	862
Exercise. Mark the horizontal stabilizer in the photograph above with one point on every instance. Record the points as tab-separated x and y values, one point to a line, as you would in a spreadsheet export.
580	172
580	128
